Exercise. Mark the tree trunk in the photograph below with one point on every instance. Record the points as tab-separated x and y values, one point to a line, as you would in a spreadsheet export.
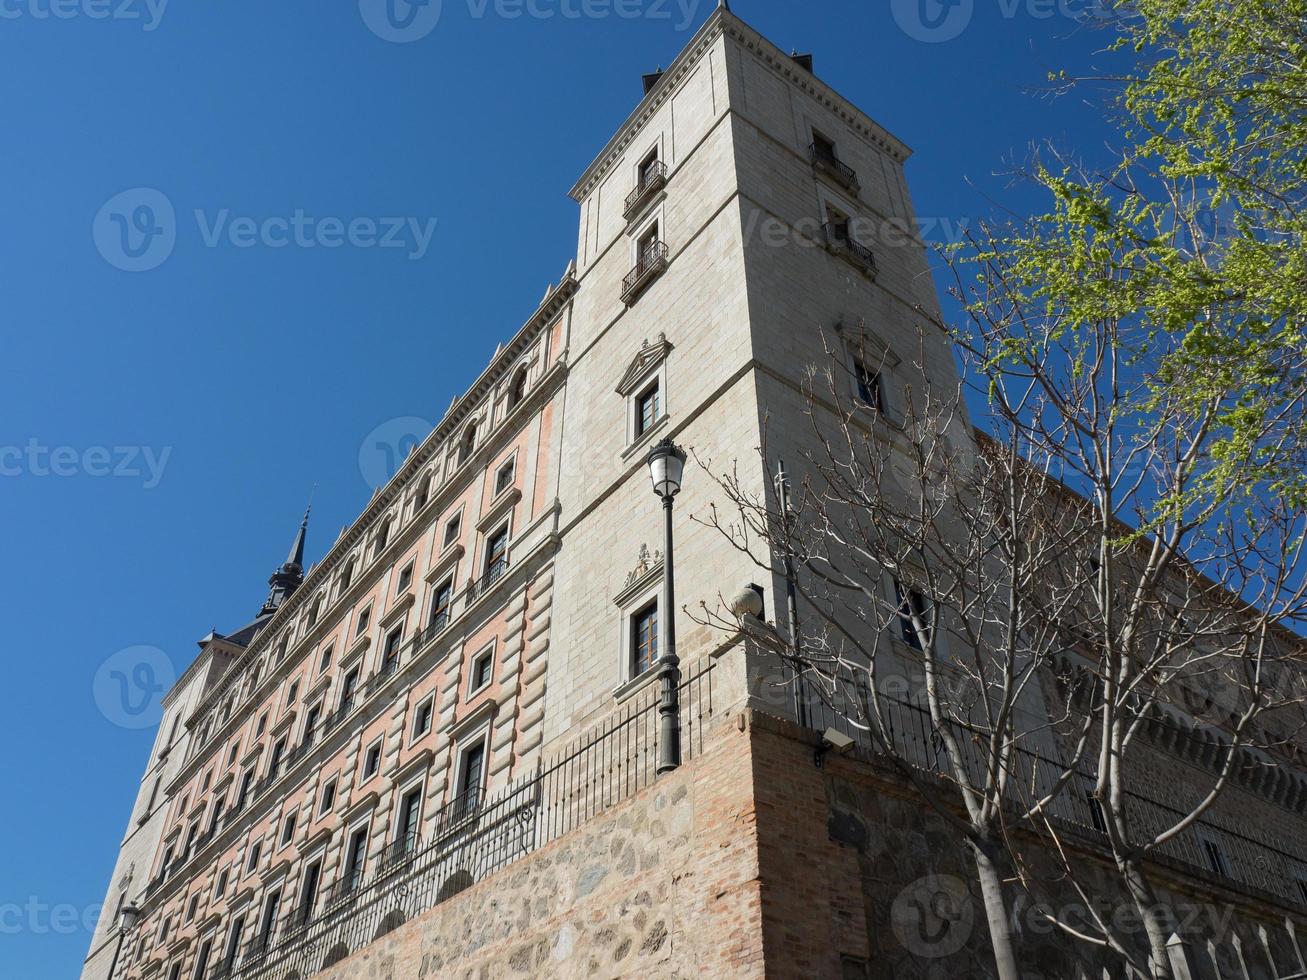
1159	960
996	910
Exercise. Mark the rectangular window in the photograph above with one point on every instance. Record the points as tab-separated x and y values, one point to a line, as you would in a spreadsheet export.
365	618
452	528
496	554
1216	857
647	250
912	604
262	725
311	719
192	907
504	477
269	924
325	662
469	787
293	693
868	382
405	578
644	639
648	168
355	858
274	763
231	756
347	689
242	796
288	830
202	960
483	669
233	942
823	147
372	760
309	892
176	971
390	656
1096	815
647	410
222	884
441	600
328	798
253	862
406	831
422	718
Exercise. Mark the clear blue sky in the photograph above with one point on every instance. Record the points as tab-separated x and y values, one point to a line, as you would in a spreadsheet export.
261	371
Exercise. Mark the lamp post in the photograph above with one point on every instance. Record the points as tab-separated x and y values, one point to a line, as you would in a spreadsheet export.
126	923
666	467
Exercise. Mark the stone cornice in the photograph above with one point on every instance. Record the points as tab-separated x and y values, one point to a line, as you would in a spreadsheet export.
651	103
722	22
548	312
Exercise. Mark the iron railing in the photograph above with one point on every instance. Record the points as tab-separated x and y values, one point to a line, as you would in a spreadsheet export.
650	180
1249	857
651	264
494	572
841	242
474	836
825	160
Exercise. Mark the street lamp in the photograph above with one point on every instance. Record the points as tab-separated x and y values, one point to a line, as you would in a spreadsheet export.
666	467
126	923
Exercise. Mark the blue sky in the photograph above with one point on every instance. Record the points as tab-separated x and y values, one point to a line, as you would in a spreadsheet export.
160	430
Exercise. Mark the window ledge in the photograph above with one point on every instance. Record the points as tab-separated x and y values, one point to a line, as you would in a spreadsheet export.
645	437
396	612
447	560
624	692
499	506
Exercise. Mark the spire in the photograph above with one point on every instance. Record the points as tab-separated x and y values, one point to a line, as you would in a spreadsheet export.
286	579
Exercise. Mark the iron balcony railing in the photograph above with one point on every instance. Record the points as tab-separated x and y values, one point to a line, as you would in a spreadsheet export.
494	572
1248	856
652	264
825	160
841	242
651	180
474	836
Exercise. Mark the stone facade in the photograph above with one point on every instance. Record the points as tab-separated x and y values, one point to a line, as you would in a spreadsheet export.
474	624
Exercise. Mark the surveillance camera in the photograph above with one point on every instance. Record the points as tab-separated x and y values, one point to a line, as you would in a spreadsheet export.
836	741
831	741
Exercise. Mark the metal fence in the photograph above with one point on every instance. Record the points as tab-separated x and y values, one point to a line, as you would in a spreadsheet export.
1245	856
471	839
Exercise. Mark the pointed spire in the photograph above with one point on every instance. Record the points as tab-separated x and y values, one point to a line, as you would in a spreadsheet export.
296	556
286	579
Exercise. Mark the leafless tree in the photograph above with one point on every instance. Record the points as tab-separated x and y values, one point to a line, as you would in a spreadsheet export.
949	583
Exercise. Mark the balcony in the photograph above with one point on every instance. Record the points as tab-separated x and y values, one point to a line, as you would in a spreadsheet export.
652	264
841	243
652	180
494	572
825	161
388	669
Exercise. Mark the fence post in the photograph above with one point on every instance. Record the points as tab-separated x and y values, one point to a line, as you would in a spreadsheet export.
1178	954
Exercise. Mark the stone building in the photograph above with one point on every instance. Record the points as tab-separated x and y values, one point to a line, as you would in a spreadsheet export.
435	754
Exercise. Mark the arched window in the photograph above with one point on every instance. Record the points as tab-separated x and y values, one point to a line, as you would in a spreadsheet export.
423	494
518	390
468	444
